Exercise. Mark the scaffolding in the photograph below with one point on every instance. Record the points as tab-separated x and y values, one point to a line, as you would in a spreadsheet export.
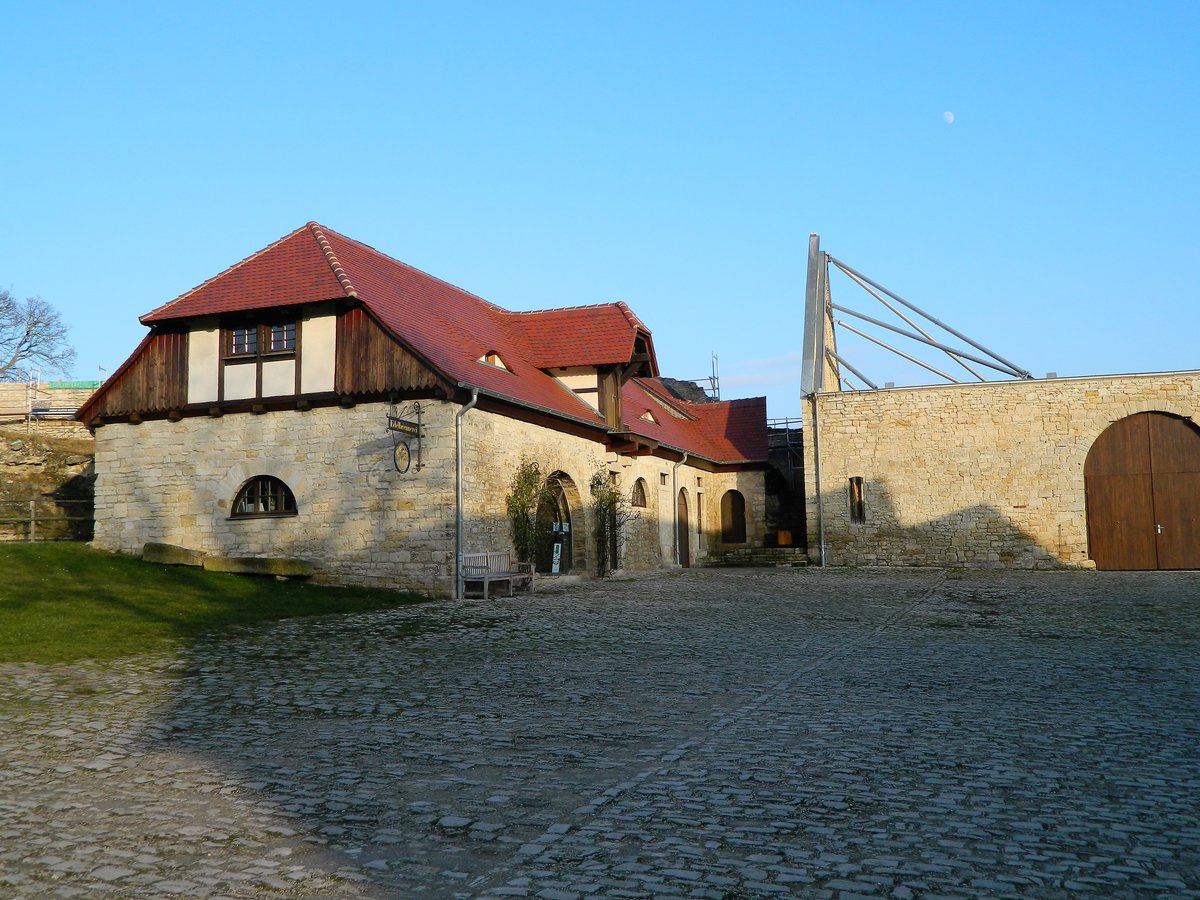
785	446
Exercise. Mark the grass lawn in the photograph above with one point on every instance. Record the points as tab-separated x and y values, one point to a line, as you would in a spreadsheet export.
63	602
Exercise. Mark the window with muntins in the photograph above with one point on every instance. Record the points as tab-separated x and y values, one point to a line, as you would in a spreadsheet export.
264	496
243	342
257	340
282	337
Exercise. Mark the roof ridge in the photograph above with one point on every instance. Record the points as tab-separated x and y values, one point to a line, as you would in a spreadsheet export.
631	316
331	258
410	267
555	309
221	274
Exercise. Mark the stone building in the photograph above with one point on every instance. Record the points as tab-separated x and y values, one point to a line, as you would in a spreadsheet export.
323	401
1100	471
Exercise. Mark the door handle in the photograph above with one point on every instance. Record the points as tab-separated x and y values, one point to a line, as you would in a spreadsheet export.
1158	529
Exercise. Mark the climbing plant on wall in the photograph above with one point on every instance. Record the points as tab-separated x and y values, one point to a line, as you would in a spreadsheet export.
611	512
526	492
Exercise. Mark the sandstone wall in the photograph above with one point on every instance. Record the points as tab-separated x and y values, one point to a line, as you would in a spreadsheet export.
360	521
982	475
53	472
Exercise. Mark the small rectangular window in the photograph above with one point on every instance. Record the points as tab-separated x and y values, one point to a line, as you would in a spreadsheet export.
245	342
662	478
283	337
858	510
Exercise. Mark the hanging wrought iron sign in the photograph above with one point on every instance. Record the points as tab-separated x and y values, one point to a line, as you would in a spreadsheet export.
404	425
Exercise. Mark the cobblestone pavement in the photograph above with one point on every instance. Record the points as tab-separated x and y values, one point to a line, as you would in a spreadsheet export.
720	734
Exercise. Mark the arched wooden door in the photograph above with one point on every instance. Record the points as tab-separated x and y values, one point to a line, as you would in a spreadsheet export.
1142	483
682	531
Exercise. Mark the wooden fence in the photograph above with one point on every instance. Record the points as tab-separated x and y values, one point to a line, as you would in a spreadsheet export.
46	519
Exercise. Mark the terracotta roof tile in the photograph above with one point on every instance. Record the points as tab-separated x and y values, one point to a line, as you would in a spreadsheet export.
291	271
451	329
577	335
727	431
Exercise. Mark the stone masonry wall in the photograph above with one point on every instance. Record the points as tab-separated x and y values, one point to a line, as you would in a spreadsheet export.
981	475
360	521
494	446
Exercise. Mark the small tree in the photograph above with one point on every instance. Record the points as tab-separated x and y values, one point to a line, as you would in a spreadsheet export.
611	512
31	334
526	492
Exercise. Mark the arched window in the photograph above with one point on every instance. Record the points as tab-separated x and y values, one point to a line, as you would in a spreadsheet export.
639	493
264	495
733	518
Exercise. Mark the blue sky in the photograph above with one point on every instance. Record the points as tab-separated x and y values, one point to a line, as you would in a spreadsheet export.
672	155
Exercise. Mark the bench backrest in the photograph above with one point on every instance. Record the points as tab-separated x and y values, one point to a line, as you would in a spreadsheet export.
491	563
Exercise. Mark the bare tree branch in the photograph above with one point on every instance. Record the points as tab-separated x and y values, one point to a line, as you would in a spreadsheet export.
32	335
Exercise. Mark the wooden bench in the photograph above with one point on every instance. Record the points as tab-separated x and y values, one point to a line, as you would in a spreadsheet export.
486	568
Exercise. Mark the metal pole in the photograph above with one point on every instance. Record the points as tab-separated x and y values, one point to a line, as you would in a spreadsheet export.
870	290
817	476
916	337
459	589
841	362
1019	372
899	352
32	521
814	321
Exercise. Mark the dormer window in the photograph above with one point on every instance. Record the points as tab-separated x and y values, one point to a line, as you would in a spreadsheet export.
648	416
259	360
251	340
492	358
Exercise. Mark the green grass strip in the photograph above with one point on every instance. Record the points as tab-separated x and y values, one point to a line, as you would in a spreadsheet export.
64	602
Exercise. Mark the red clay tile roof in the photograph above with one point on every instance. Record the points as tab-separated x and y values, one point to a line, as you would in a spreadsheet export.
295	269
554	336
728	431
451	329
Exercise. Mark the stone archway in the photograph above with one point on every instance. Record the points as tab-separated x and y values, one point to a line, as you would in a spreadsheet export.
733	518
682	531
563	545
1142	487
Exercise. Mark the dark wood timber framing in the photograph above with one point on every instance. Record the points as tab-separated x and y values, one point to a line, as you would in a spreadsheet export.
153	381
370	361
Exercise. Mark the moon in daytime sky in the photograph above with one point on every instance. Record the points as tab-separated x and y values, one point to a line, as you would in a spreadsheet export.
949	117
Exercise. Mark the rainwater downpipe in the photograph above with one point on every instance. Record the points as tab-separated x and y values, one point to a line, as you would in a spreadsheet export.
675	501
817	475
458	494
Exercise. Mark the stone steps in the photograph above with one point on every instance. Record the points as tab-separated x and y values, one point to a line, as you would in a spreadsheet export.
756	557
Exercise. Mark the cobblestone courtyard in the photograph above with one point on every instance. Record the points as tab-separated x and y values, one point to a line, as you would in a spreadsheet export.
723	734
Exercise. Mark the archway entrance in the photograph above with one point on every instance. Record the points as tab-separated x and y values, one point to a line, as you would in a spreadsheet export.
733	518
1142	484
681	529
553	556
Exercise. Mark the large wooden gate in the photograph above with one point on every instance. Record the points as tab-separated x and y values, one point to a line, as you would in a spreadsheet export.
1142	482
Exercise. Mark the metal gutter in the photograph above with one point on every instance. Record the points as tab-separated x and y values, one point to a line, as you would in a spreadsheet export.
458	494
